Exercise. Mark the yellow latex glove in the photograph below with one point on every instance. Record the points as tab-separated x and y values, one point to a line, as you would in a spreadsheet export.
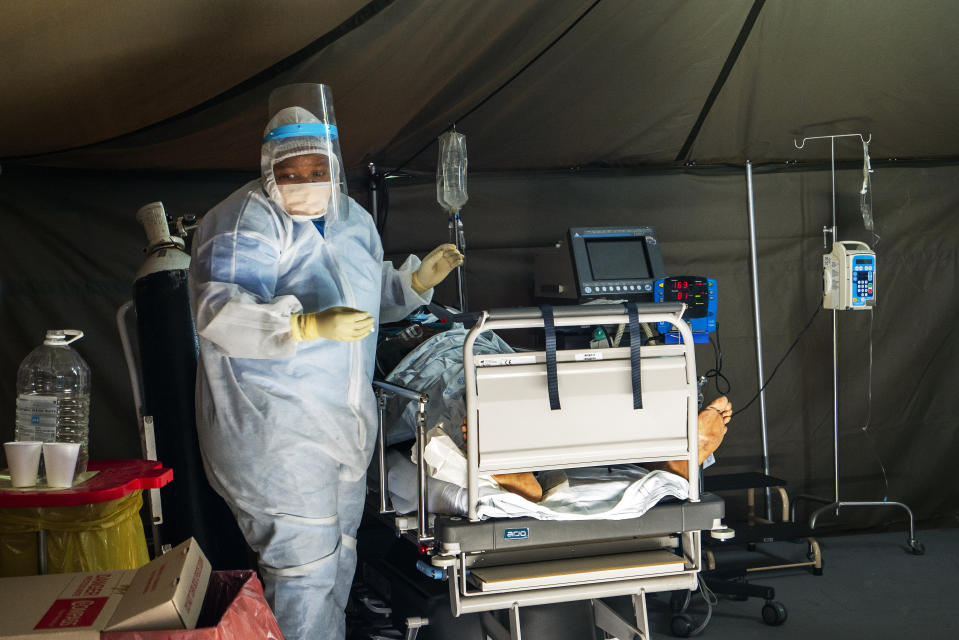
336	323
435	266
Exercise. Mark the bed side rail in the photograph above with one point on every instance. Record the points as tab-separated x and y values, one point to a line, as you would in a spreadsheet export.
384	390
530	317
523	314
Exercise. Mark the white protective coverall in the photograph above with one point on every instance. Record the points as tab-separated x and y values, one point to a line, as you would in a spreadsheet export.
287	429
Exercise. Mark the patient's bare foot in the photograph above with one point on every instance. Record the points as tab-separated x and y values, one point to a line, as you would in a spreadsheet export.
522	484
712	427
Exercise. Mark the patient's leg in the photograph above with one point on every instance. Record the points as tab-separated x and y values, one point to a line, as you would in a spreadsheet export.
712	427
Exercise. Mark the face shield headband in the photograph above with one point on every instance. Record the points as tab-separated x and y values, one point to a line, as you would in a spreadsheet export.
303	130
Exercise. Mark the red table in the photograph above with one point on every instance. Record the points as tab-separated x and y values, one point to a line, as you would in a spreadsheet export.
115	479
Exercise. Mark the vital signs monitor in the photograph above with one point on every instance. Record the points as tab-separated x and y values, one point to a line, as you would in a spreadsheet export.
700	296
619	263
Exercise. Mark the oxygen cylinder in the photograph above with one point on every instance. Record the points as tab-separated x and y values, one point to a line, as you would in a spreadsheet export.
168	359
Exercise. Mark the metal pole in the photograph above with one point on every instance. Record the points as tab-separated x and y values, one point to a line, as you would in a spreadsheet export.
515	629
374	197
835	342
759	334
42	552
458	240
423	514
461	270
381	451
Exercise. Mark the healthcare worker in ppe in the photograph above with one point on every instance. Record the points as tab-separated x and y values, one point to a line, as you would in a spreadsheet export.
288	287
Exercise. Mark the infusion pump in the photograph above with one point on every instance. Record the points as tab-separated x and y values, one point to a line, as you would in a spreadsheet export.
849	276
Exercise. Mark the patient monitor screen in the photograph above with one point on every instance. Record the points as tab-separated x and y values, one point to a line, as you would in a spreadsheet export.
615	262
612	258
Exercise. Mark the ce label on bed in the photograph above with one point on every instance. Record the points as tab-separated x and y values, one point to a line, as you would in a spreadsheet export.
501	361
516	534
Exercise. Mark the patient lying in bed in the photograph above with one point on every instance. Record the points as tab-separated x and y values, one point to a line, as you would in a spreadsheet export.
712	427
436	367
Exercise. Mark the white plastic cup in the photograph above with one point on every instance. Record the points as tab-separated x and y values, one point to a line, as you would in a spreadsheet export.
23	458
60	459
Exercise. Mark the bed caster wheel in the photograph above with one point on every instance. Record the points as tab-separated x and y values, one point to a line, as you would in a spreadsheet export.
916	548
681	626
774	613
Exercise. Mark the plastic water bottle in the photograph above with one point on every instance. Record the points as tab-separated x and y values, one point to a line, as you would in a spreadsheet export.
53	394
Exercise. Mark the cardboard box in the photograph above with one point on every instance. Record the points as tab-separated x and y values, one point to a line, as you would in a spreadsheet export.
234	609
164	594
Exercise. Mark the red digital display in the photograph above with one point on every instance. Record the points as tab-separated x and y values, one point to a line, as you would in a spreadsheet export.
694	292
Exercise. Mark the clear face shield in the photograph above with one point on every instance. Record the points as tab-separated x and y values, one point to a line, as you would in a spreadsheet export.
300	159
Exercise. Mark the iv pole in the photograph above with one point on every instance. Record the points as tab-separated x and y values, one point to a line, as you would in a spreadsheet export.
836	504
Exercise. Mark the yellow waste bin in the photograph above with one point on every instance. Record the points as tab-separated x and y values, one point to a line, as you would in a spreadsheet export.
88	537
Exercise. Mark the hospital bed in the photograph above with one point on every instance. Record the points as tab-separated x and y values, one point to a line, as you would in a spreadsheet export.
556	409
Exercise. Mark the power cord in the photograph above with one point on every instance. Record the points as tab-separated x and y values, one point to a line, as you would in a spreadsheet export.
716	373
685	621
781	360
868	421
710	599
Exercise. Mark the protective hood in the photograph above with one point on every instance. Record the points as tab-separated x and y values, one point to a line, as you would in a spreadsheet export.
302	122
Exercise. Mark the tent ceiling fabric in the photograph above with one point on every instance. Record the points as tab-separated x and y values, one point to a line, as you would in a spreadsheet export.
884	67
623	87
83	72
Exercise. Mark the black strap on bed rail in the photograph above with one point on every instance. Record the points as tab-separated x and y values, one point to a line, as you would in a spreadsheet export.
635	338
552	384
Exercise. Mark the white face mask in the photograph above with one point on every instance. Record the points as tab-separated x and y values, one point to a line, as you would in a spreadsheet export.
306	199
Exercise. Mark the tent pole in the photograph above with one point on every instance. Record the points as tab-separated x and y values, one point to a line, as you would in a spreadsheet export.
759	334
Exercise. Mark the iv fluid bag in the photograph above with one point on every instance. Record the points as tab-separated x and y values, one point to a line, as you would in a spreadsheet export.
451	172
865	208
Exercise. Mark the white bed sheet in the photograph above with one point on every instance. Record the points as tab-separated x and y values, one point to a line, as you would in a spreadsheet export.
588	493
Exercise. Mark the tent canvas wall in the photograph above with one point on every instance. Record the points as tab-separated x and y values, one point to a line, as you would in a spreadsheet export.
575	113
